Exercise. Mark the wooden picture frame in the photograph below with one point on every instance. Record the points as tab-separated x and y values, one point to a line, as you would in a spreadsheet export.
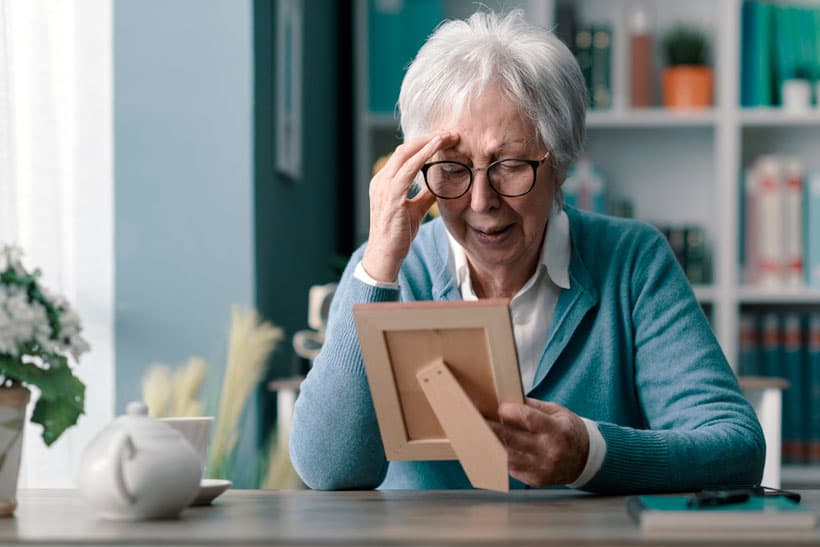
436	371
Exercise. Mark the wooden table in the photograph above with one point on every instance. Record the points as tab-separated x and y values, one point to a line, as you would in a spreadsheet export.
248	517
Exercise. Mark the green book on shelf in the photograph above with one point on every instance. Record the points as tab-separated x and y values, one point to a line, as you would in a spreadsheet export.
670	515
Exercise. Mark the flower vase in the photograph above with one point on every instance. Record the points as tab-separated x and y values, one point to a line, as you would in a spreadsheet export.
13	401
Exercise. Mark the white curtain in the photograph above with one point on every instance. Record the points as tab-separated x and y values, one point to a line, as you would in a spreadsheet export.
56	190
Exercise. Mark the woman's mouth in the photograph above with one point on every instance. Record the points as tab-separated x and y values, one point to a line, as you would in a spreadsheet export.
494	235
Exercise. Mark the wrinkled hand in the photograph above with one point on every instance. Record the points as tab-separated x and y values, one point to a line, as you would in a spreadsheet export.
546	443
394	219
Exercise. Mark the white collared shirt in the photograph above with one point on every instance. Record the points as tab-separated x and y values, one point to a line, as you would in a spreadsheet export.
533	305
531	309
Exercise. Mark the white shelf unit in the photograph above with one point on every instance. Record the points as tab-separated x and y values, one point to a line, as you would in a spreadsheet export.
627	118
801	476
676	167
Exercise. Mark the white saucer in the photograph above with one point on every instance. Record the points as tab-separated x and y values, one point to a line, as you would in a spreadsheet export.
209	490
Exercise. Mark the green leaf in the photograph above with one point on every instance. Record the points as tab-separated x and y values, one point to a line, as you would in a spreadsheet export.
55	417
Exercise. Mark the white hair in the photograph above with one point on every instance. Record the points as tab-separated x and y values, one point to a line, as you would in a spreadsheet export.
531	65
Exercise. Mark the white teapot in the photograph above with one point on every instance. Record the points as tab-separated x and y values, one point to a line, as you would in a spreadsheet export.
139	468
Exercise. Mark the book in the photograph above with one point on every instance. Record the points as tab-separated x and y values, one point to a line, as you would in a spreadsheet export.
677	241
583	54
764	79
812	402
771	345
757	77
566	22
749	228
694	261
670	515
812	233
600	80
396	30
749	355
792	267
784	58
793	444
768	190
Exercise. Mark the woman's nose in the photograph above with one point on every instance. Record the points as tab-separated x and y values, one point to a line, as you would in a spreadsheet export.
482	196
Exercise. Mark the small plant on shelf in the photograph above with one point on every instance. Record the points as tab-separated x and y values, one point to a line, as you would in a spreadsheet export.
687	80
685	45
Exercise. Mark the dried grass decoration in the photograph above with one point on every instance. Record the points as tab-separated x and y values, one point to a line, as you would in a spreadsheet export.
175	393
251	342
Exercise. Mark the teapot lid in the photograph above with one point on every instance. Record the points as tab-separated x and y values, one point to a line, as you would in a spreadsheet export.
136	422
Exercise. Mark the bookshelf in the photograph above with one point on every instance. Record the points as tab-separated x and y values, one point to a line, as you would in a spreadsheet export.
675	167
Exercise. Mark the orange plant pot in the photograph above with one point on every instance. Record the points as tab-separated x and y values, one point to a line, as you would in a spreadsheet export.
687	86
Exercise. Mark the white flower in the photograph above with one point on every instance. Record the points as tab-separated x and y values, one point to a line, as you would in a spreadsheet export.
24	322
70	333
8	344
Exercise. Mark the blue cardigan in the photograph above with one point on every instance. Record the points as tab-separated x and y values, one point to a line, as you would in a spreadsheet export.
629	347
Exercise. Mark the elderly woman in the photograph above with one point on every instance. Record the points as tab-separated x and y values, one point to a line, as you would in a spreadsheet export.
627	388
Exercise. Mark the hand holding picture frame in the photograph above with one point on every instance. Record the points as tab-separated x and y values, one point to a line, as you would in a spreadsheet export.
437	371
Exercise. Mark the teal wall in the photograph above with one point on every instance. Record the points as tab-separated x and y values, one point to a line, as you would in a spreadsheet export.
183	156
296	220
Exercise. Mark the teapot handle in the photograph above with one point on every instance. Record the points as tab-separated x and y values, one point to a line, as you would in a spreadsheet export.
124	450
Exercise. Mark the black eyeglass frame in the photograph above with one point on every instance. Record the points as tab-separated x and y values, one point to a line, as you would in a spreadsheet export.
534	164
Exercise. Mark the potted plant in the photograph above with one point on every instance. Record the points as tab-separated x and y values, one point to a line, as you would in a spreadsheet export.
38	330
687	81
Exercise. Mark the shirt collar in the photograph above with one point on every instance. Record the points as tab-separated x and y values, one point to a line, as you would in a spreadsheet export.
555	252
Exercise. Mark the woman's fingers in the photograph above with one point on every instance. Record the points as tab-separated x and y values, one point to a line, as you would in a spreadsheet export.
408	158
516	439
527	417
423	146
545	442
421	203
395	219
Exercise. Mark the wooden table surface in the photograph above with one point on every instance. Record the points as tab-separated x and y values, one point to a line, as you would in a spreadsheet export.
249	517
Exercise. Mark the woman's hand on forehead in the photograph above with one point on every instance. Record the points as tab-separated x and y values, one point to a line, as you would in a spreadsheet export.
394	218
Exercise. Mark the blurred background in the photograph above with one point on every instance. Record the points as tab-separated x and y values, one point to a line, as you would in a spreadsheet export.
165	162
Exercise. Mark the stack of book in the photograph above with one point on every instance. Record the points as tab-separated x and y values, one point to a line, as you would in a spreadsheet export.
593	50
592	46
781	224
779	43
787	345
688	242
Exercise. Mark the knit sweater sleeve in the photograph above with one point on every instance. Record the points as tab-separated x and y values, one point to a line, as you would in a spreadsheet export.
335	442
700	431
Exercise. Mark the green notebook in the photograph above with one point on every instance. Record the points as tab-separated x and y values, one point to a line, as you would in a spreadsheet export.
671	515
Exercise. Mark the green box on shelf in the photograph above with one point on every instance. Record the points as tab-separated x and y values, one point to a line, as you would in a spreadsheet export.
397	29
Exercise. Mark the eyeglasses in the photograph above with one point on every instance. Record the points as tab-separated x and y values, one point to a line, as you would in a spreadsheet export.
510	177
